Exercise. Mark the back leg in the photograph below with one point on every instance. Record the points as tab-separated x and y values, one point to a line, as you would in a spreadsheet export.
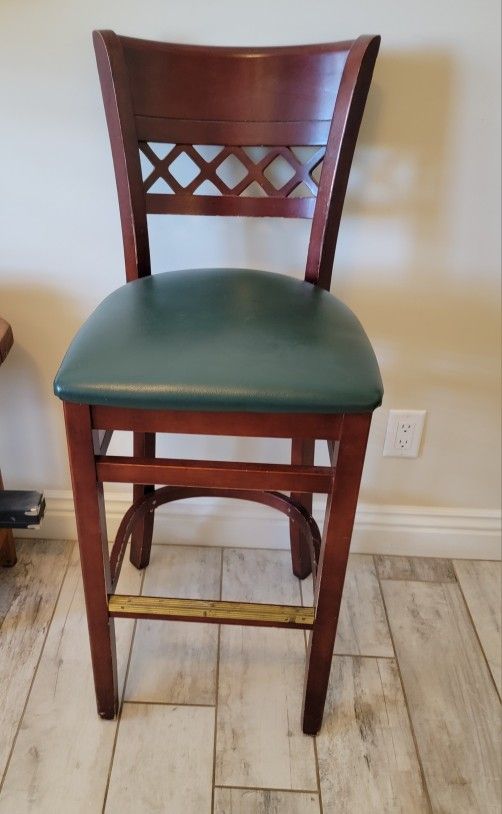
302	452
141	538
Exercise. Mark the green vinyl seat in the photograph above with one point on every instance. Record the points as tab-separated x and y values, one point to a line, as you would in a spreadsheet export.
222	340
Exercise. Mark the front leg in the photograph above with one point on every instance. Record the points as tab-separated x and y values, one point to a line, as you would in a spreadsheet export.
337	533
94	559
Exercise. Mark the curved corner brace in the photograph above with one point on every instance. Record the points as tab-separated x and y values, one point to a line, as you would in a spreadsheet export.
168	494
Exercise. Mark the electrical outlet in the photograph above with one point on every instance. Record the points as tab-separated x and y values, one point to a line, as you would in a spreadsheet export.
404	433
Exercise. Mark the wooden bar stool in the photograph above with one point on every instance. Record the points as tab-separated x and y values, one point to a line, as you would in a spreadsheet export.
224	351
8	556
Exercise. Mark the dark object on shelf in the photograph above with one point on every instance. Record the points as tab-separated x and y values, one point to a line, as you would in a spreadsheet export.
21	509
234	352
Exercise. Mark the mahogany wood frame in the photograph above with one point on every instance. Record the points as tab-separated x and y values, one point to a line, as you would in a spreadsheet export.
305	95
8	556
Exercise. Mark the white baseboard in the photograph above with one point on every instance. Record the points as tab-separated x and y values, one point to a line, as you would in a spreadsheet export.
407	530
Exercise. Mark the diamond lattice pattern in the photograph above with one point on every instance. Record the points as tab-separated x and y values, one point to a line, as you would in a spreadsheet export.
277	172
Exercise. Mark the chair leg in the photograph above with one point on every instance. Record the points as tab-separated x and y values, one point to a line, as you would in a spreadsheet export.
338	524
141	538
8	556
302	452
94	560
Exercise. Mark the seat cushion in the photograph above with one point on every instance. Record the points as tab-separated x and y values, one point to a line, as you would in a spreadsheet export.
222	339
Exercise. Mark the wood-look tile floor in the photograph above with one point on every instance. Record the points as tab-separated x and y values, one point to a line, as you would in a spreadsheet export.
210	718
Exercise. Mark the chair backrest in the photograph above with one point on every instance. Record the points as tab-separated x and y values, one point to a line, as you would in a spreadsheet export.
253	131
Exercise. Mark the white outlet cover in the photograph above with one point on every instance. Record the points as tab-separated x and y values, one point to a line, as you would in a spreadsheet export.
404	433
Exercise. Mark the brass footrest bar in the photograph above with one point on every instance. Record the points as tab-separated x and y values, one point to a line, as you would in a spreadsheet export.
208	610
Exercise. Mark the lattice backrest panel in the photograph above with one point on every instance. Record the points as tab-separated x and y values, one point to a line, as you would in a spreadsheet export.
213	179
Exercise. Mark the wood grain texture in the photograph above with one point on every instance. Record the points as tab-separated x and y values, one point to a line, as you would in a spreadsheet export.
367	758
63	751
295	511
259	737
302	452
142	533
6	339
14	582
453	704
333	560
172	662
28	594
481	585
250	425
163	760
212	94
90	516
214	474
362	627
264	801
423	569
8	556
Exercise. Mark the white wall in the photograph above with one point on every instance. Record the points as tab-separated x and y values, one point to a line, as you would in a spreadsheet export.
418	255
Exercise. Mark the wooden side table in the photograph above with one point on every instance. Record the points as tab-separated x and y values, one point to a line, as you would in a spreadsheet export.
7	546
